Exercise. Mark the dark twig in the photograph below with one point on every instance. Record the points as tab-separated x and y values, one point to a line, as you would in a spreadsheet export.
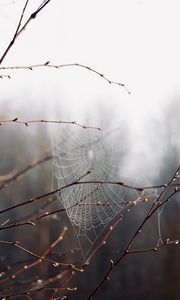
29	292
15	34
150	212
33	220
20	28
140	189
33	15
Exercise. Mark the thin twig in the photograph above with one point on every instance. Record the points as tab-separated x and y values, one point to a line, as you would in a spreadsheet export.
33	220
6	180
140	189
59	66
19	29
28	122
38	261
33	15
28	292
54	263
15	34
150	212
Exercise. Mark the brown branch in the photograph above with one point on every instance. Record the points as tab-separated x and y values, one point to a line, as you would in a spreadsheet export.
40	197
37	212
38	261
8	179
77	65
54	263
150	212
28	122
129	204
134	251
33	220
140	189
172	242
37	282
29	292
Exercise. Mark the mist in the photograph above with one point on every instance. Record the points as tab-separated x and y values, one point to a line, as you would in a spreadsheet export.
130	42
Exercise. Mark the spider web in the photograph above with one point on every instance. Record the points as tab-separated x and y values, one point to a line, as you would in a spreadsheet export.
88	155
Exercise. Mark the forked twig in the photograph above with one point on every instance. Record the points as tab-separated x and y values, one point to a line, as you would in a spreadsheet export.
15	34
38	261
140	189
33	220
20	28
157	203
54	263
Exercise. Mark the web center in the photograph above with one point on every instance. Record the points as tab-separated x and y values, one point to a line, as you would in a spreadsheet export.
90	158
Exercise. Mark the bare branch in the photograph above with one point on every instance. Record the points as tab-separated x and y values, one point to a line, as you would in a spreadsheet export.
57	66
15	34
29	292
150	212
20	29
54	263
6	180
33	15
140	189
38	261
28	122
33	220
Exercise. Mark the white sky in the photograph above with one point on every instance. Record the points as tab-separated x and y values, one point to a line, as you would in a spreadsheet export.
135	42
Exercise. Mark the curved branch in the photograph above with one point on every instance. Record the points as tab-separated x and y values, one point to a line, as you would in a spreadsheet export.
57	66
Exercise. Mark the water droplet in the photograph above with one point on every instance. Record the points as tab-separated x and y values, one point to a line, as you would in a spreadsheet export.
56	264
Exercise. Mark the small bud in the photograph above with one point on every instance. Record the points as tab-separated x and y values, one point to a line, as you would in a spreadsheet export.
108	278
56	264
112	263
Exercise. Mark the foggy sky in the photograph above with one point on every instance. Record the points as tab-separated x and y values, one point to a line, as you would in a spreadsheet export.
133	42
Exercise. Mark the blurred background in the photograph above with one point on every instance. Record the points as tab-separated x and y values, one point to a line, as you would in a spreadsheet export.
134	42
